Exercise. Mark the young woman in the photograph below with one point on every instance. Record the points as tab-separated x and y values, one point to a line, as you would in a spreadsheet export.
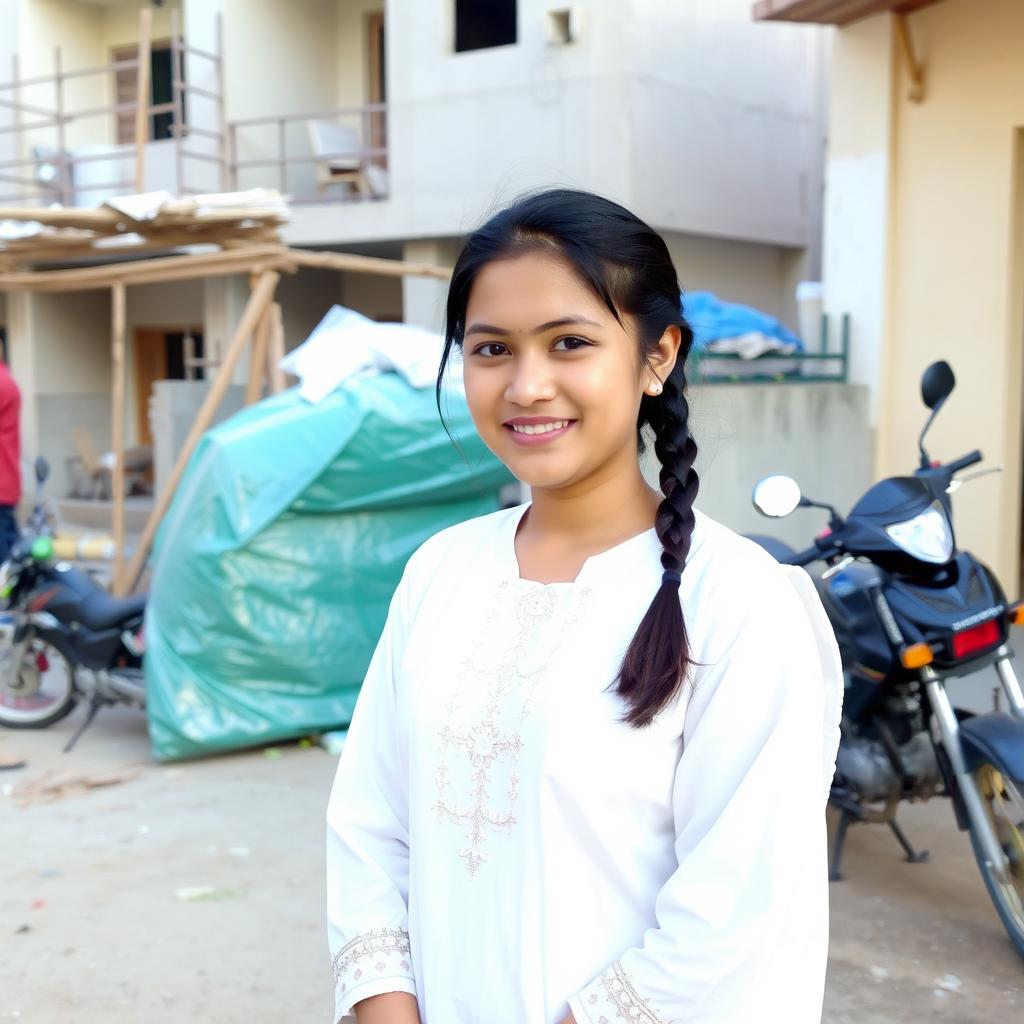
587	772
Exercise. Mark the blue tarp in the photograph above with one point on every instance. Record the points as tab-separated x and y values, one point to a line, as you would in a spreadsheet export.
712	318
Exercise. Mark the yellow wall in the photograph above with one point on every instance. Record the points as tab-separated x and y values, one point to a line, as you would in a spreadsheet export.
955	289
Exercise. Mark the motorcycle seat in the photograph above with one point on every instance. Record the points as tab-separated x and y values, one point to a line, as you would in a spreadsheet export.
101	610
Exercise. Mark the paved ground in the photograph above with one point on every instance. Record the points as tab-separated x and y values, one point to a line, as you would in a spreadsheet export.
94	928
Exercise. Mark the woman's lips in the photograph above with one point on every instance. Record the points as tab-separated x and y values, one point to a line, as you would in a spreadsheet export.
530	434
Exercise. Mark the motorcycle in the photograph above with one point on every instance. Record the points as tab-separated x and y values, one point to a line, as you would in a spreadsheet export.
909	611
67	638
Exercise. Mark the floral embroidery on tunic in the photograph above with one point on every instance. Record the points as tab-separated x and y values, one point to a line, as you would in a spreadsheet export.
380	942
625	998
482	736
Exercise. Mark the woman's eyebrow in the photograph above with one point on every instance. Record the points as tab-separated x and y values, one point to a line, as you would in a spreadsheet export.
565	321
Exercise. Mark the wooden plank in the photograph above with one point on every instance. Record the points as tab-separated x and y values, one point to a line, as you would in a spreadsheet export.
832	12
258	358
259	299
117	347
275	351
368	264
167	268
142	90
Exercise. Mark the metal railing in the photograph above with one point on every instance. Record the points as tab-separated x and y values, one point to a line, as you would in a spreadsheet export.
46	173
281	151
798	367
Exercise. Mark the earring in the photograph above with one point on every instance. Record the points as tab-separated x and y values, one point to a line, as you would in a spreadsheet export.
656	388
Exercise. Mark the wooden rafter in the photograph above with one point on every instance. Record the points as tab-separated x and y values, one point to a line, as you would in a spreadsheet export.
833	12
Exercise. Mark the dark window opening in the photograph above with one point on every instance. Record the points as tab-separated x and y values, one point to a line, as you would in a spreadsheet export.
480	24
161	91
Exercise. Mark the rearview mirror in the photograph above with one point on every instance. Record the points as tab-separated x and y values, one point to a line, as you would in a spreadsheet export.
42	468
937	383
776	496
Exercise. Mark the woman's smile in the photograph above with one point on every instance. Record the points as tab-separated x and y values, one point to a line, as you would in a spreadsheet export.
531	431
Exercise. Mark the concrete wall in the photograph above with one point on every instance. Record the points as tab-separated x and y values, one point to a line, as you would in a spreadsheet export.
692	114
815	433
933	193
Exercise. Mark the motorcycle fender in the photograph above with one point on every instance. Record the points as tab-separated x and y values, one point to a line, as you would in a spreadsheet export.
996	738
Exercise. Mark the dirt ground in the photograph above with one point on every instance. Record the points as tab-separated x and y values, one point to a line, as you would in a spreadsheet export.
95	927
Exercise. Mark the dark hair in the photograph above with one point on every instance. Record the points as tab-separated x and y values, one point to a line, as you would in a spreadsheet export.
627	265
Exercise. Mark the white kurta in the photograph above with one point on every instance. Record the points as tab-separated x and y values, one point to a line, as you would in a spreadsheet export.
503	846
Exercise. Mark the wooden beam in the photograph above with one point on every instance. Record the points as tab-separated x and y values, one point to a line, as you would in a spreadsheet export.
258	358
832	12
367	264
259	300
914	69
142	89
275	351
118	322
168	268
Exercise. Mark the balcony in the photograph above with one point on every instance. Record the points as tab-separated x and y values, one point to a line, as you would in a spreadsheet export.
155	115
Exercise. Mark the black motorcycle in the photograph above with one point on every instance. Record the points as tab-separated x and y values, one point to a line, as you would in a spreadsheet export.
67	638
909	610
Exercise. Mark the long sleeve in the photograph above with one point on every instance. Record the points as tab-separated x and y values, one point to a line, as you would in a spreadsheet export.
368	839
742	922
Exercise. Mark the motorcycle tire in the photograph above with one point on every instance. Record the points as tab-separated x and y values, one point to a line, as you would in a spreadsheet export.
12	719
1007	897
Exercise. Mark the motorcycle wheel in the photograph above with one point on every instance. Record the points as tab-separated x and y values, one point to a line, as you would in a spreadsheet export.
43	693
1004	803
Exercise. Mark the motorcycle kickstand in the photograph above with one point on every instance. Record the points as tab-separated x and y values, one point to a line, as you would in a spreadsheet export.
846	819
913	856
94	705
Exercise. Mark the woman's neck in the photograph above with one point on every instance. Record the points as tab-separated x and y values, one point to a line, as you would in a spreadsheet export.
565	527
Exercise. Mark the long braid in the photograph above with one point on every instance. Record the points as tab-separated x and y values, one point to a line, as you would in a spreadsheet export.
658	656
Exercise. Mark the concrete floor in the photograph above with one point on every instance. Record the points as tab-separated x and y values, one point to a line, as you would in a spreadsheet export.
93	929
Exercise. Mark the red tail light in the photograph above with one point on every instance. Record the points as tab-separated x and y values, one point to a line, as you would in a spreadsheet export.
977	638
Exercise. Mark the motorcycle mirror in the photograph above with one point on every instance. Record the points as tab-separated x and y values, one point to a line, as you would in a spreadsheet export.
776	496
937	383
42	468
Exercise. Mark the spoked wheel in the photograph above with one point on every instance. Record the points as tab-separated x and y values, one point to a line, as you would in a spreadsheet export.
1004	803
43	692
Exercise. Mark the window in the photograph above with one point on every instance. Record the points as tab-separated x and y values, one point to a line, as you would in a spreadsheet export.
161	91
480	24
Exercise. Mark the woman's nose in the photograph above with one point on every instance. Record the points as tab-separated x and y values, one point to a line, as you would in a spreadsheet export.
531	382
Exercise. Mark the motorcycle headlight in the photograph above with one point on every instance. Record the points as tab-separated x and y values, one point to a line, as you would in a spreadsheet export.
927	537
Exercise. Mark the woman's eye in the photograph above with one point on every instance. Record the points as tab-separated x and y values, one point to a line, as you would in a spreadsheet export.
490	349
571	344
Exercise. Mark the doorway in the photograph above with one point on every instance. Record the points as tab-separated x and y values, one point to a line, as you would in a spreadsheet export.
163	353
376	86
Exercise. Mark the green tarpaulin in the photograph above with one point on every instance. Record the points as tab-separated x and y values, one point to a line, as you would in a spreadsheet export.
275	565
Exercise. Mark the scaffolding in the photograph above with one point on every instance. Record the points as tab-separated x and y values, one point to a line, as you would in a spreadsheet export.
47	173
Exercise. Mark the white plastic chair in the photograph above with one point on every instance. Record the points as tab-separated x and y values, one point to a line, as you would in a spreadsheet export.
331	143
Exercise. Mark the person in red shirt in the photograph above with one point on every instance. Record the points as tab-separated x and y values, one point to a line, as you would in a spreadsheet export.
10	460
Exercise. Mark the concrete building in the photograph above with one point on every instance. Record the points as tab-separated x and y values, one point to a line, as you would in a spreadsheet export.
924	232
706	124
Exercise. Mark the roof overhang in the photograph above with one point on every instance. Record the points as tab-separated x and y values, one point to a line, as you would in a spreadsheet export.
833	12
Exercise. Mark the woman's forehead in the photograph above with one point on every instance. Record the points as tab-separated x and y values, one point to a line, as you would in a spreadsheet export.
530	289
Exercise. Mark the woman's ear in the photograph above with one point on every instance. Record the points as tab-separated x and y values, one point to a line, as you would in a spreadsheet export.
663	358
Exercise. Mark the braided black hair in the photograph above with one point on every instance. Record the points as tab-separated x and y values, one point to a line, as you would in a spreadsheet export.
627	265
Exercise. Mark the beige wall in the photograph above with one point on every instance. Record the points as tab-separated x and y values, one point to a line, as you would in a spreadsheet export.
953	249
86	34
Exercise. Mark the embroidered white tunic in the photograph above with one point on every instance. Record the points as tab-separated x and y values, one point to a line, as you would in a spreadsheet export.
502	845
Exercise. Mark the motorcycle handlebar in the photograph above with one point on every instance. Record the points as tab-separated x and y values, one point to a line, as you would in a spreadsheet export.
962	463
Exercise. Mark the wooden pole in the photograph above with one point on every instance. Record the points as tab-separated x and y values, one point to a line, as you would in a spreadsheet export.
117	339
259	299
275	351
258	358
142	89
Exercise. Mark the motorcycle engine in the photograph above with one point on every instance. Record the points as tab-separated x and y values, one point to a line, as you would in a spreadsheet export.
865	766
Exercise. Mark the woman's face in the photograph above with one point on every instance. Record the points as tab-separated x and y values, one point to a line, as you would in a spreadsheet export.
553	380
